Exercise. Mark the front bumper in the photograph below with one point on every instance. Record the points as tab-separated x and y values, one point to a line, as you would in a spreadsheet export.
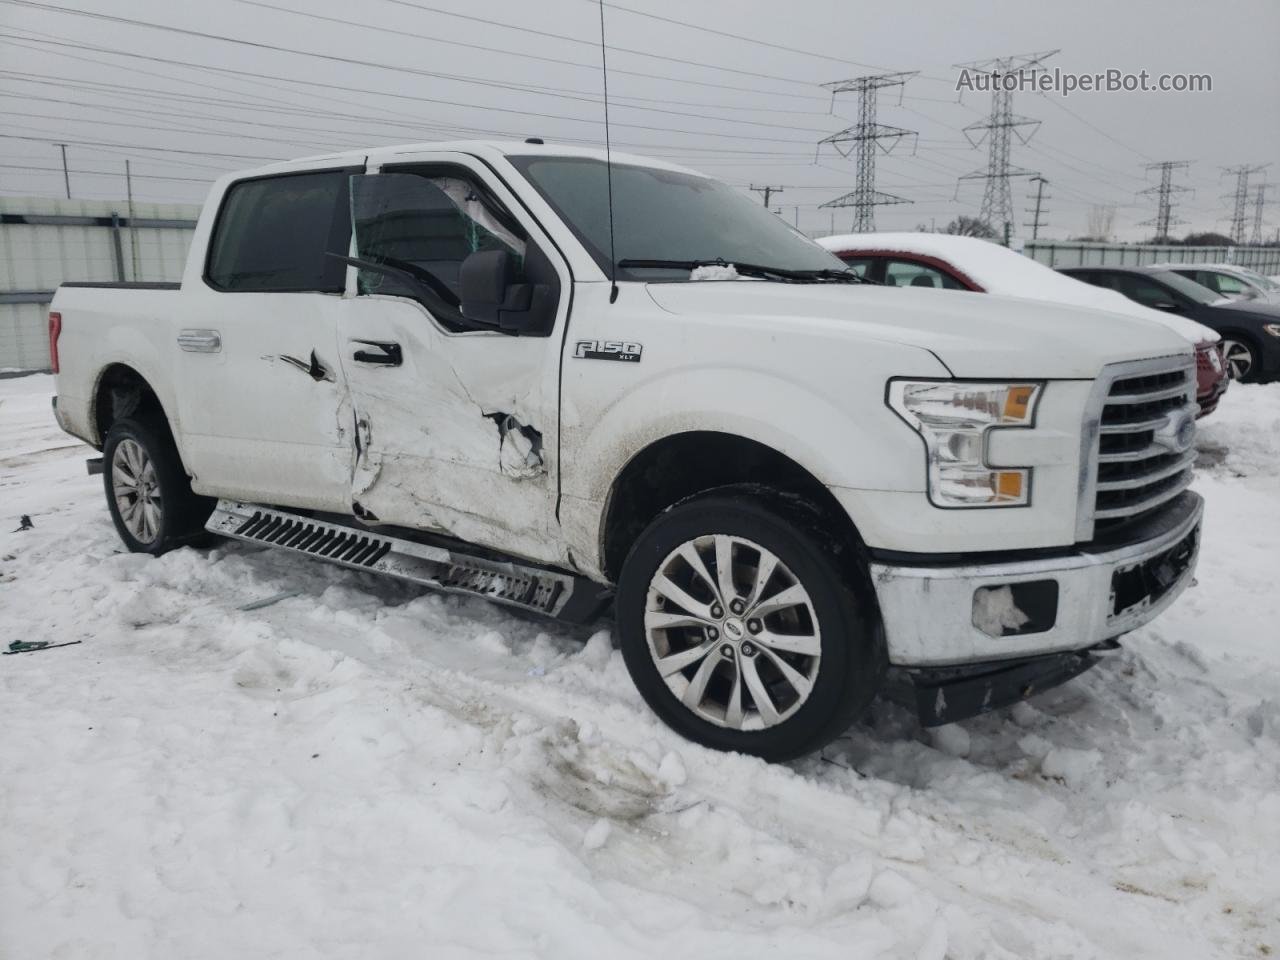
1065	601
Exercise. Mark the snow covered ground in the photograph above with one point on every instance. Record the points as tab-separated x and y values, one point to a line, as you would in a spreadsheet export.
367	770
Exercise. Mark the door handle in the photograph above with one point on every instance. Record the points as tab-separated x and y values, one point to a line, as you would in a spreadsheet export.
200	341
388	355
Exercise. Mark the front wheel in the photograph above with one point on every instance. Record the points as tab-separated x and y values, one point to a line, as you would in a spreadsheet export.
743	631
1240	358
148	492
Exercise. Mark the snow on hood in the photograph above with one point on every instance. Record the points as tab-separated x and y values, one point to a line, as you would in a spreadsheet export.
1000	270
974	334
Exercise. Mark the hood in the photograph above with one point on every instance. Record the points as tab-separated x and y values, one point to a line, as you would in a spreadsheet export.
974	334
1259	311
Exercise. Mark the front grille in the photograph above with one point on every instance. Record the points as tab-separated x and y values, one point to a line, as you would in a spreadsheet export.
1135	472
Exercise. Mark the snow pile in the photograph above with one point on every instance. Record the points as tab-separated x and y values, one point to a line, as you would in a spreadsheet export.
365	769
714	272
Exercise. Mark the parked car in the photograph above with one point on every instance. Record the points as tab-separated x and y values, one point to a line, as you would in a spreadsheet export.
439	363
968	263
1228	280
1250	329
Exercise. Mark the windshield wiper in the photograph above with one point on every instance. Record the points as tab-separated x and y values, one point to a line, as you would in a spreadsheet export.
839	276
749	270
745	269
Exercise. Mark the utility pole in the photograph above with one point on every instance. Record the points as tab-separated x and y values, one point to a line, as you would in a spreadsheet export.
1036	223
1001	122
767	191
1164	191
1240	199
864	138
66	177
1259	201
133	231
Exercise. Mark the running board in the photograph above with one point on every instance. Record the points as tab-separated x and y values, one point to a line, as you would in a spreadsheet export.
535	589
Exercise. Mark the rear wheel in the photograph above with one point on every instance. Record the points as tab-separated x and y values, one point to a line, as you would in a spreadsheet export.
743	632
1240	357
148	492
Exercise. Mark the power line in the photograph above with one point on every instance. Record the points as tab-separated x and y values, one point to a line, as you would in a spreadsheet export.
459	103
355	61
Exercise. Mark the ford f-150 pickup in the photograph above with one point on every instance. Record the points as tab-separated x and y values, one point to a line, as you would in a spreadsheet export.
463	365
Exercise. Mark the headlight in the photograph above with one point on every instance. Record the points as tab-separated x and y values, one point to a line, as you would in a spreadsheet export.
1272	328
953	418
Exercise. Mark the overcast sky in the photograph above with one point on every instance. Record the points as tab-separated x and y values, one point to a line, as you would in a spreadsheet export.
746	112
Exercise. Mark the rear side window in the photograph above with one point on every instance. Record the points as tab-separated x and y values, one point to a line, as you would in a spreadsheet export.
906	273
272	235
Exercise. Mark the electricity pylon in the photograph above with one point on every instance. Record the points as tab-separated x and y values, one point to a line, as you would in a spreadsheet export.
1240	199
1165	192
865	138
1001	123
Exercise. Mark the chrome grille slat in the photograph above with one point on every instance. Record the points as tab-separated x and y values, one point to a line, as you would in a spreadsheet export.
1148	478
1149	397
1134	465
1149	503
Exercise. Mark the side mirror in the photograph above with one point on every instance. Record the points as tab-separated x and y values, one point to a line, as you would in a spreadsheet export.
491	295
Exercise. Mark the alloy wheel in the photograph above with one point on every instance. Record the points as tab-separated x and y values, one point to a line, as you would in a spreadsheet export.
732	632
1238	357
136	489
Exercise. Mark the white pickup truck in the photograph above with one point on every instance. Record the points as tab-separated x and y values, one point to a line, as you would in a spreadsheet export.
794	490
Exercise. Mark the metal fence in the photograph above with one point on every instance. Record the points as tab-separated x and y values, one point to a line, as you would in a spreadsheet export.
1066	253
44	242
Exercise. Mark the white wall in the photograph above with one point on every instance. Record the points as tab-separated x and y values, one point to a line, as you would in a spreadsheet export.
36	257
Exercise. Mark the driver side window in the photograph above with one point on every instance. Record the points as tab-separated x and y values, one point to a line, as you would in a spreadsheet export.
1144	291
437	234
426	222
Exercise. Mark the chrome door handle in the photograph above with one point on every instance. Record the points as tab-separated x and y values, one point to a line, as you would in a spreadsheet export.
200	341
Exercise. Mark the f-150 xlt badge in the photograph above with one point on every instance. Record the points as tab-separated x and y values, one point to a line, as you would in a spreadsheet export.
624	350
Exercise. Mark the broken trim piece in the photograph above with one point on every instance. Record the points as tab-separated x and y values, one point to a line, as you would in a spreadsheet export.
535	589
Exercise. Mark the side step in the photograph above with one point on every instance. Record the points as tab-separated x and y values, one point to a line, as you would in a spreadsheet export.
546	592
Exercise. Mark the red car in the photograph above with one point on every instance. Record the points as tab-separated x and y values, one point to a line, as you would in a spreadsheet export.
967	263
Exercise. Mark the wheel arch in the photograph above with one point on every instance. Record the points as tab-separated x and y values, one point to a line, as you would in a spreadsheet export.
678	466
121	391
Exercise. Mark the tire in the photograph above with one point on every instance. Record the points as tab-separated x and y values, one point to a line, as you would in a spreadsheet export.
1241	357
170	515
716	654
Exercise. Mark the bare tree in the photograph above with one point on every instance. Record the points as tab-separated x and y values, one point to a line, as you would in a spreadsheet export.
1102	218
971	227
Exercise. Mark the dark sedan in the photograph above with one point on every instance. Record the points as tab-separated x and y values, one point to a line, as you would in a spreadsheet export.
1250	329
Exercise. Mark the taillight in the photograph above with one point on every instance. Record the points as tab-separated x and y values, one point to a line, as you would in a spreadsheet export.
55	331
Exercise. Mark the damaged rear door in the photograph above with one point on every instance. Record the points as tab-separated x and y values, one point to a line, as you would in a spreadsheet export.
454	414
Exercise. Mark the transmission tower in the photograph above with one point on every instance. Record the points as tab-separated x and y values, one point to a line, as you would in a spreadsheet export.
865	138
1259	201
1240	199
997	199
1036	212
1165	192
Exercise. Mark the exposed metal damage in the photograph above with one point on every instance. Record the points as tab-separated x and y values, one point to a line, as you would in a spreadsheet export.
313	368
519	448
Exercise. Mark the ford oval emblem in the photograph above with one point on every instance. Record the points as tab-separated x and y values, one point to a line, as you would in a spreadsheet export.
1178	433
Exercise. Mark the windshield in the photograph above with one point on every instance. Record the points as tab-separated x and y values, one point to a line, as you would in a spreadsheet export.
1188	288
1259	280
665	215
